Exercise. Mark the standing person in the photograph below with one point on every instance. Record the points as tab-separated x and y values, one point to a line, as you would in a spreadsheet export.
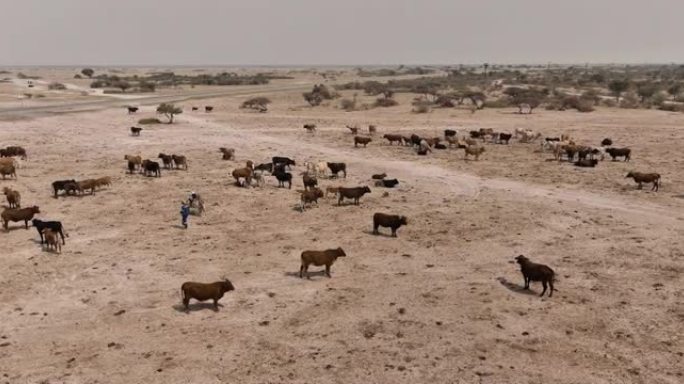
185	212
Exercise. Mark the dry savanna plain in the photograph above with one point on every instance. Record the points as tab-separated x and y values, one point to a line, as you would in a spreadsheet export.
441	303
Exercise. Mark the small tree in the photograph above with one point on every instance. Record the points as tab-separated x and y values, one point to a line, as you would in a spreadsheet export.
618	87
169	110
313	98
259	104
123	85
55	86
88	72
675	90
646	90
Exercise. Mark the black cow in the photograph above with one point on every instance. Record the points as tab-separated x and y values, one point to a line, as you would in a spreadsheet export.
505	137
54	226
286	161
135	131
132	109
62	185
151	168
268	167
336	168
387	183
449	133
283	177
208	108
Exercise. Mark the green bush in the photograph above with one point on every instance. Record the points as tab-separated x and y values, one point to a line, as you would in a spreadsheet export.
149	120
169	110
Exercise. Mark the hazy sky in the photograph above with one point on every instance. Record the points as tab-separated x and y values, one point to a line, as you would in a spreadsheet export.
277	32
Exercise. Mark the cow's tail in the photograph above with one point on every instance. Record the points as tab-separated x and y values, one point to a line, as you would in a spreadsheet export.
65	232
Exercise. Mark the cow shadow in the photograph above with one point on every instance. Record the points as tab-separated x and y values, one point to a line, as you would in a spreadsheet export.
379	234
320	273
14	228
197	306
515	287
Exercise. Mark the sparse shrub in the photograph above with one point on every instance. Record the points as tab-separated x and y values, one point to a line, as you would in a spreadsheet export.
28	95
169	110
630	100
259	104
78	76
675	90
149	120
122	84
591	96
646	90
314	99
55	86
658	99
585	106
421	105
670	107
498	103
99	84
88	72
146	86
348	105
385	102
610	103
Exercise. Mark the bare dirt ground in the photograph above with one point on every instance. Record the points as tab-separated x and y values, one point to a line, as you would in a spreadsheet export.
441	303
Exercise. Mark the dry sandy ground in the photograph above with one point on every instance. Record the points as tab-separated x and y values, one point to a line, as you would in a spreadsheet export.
442	303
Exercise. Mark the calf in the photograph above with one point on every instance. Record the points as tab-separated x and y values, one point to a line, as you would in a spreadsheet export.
311	128
61	185
285	161
388	221
536	272
352	193
195	108
132	109
473	151
449	133
354	130
309	181
8	169
228	153
619	152
167	160
87	184
372	129
387	183
151	168
18	214
135	131
13	197
51	240
606	142
361	140
504	138
202	292
208	108
641	178
319	258
54	226
244	173
336	168
310	196
392	138
180	161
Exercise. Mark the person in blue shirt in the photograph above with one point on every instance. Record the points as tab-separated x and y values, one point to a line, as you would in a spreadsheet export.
185	212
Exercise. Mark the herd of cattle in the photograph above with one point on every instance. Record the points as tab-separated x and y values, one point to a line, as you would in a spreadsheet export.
563	148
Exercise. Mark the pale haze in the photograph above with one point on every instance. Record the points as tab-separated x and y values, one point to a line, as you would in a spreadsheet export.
310	32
